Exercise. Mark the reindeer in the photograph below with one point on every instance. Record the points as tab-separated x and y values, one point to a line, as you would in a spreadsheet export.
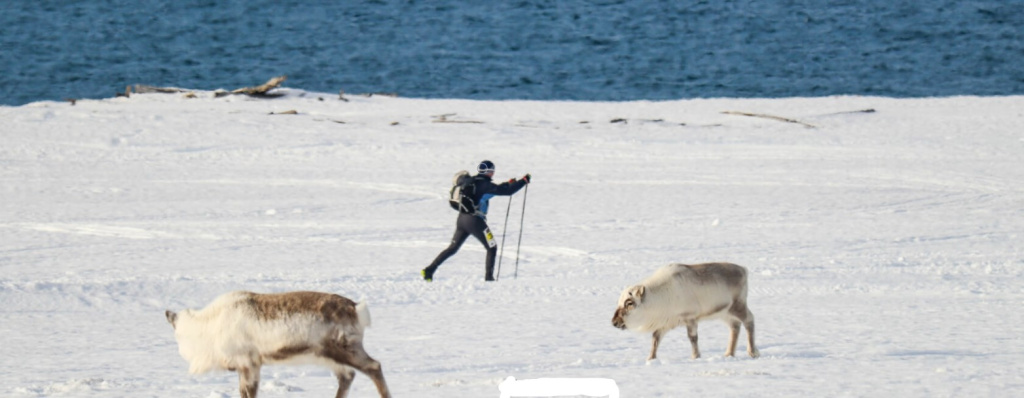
242	331
680	294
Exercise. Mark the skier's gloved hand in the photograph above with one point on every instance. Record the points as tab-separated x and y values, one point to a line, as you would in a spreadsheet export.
527	178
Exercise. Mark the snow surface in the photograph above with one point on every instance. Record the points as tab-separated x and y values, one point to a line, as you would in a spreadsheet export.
884	247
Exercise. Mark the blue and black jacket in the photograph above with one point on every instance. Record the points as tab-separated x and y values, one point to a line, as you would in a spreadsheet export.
485	189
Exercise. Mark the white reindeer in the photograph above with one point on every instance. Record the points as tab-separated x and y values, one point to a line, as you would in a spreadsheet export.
680	294
242	331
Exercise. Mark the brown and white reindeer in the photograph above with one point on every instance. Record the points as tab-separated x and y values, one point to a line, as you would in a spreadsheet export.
242	331
680	294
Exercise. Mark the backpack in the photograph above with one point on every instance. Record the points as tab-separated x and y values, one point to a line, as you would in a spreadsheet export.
460	197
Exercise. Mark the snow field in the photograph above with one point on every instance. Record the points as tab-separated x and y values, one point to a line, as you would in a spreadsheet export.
883	247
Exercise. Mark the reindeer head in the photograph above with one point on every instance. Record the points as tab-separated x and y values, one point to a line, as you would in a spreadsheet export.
628	301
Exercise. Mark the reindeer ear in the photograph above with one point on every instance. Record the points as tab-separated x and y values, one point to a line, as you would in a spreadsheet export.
172	318
638	292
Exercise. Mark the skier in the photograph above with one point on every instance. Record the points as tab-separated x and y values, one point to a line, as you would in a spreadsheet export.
476	223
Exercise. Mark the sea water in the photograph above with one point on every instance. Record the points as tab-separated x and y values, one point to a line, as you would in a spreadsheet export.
601	50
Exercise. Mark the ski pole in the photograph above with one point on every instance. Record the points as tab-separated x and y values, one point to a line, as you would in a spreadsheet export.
504	229
522	216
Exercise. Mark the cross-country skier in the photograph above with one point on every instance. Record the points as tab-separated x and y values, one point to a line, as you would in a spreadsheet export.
475	224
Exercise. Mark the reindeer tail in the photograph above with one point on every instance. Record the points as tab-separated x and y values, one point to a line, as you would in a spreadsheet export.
363	313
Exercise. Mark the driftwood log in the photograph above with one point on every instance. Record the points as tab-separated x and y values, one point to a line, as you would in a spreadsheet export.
773	117
262	89
444	119
257	91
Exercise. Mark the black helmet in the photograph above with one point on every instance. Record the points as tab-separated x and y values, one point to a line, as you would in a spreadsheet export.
486	167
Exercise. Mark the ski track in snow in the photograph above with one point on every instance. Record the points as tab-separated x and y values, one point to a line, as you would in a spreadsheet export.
883	248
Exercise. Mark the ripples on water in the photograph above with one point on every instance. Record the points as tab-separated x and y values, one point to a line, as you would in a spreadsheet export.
570	49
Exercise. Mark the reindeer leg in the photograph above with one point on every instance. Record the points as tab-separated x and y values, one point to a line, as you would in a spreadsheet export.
691	332
734	334
372	369
345	375
248	381
348	353
749	324
655	340
742	313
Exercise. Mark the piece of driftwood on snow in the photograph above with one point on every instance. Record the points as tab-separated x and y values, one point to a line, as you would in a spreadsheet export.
261	90
773	117
868	110
288	112
444	119
328	120
626	121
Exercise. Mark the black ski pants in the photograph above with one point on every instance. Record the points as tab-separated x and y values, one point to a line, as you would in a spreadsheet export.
467	225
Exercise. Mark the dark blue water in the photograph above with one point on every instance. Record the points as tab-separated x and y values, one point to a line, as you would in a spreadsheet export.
529	49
